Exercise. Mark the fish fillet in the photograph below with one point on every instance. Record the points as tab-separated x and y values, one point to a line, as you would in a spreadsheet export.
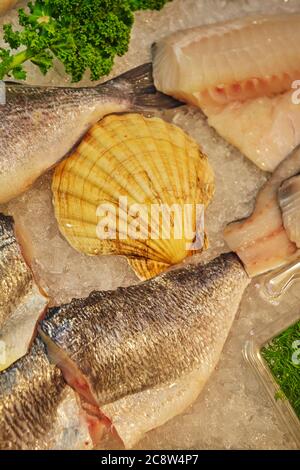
135	415
38	411
235	72
6	5
261	240
21	301
40	125
115	344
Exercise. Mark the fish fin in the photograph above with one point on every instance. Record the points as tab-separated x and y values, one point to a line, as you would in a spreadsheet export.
146	268
141	88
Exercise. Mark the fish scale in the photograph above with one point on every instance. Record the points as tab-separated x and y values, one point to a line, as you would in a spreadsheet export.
240	73
21	301
7	5
133	339
30	391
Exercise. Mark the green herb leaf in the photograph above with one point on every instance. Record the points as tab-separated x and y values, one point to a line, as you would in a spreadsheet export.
83	35
279	355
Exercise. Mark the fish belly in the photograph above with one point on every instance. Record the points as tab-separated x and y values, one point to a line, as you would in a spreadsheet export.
133	416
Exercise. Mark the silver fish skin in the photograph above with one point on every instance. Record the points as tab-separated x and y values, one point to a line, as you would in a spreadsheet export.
6	5
41	125
261	240
38	410
114	344
15	276
21	301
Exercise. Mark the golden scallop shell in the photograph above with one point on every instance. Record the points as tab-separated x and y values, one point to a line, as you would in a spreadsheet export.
110	193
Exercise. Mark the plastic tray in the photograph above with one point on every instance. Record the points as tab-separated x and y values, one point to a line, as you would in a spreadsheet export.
279	283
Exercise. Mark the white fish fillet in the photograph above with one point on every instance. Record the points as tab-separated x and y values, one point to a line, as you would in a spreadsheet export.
6	5
289	201
234	71
161	340
21	301
261	240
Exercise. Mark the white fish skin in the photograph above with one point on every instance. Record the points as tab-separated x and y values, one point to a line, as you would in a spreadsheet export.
261	240
6	5
239	85
289	200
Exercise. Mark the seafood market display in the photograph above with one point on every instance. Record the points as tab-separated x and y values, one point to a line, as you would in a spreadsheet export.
21	300
222	68
137	161
122	318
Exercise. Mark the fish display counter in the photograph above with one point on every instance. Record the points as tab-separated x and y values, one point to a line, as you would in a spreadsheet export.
149	234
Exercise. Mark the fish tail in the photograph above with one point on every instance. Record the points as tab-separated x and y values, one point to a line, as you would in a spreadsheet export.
139	85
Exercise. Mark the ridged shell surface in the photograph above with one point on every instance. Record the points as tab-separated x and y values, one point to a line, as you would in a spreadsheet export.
128	169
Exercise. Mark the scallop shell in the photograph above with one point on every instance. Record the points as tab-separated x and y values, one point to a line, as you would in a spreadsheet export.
145	161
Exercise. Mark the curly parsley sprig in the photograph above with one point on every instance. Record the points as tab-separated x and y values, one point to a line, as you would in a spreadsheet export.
82	34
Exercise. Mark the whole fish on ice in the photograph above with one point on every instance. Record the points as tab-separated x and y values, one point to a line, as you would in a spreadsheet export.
40	125
240	73
131	344
21	301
